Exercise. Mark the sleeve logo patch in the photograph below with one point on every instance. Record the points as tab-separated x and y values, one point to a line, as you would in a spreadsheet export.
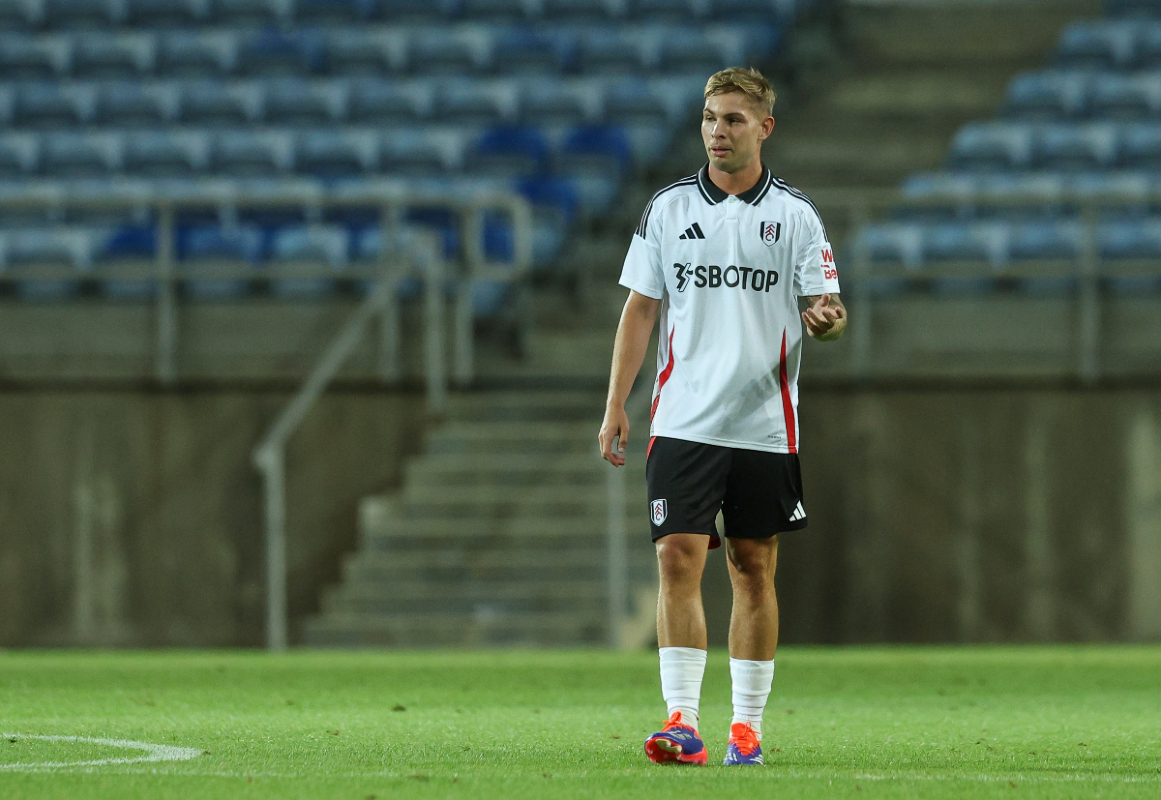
771	232
658	511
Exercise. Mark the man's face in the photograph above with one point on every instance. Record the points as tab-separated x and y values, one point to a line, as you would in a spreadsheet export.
732	130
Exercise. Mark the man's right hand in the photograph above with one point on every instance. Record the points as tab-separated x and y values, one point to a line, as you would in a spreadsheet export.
615	426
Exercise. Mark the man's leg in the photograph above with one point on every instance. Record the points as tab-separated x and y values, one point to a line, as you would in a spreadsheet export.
753	641
682	639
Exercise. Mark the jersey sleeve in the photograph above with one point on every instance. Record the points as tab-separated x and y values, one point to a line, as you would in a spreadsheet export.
815	272
643	271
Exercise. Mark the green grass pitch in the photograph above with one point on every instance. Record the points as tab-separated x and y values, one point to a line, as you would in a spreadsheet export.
1043	722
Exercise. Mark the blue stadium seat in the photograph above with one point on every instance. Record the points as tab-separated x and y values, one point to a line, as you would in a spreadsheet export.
752	10
508	153
131	104
72	154
1046	239
158	154
202	54
1129	239
939	196
442	151
531	52
469	103
59	247
631	103
328	244
1070	147
549	101
74	14
19	155
333	154
1048	95
1141	146
449	51
594	159
167	13
1148	54
611	51
214	104
239	13
271	54
508	10
382	103
335	12
992	146
46	105
892	242
1126	97
581	10
122	243
24	58
1125	193
684	11
21	15
685	49
253	154
1097	44
1016	195
420	10
113	56
356	52
302	103
955	241
554	207
246	243
1133	8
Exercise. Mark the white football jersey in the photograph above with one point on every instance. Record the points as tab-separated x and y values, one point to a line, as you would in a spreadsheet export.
729	270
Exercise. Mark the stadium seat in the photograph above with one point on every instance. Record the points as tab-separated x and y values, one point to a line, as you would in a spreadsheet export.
253	154
631	103
73	14
420	10
363	53
382	103
954	241
551	102
53	106
20	15
610	51
1070	147
683	49
1017	195
582	10
460	52
751	10
251	13
204	54
22	58
531	52
507	10
594	159
116	56
1141	146
214	104
1124	193
131	104
1126	97
1046	239
274	54
892	242
1148	56
992	146
442	151
71	154
508	153
1097	45
465	103
332	154
334	12
167	13
19	155
302	103
1133	8
328	244
939	196
166	155
1048	96
245	243
1129	239
554	206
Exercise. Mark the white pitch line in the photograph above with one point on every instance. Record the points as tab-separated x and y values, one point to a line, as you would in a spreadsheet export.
153	752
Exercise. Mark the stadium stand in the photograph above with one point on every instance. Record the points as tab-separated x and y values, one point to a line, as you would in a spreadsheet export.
164	98
1078	144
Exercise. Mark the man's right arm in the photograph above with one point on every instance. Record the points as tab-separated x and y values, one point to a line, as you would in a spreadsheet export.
633	332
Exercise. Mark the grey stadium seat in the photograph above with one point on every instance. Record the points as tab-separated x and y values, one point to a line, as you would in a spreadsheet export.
102	56
251	154
165	154
132	104
211	103
202	54
71	154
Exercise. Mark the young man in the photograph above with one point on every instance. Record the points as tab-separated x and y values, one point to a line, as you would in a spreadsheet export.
724	254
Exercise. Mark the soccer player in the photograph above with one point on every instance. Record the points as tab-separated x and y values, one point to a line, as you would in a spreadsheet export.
724	255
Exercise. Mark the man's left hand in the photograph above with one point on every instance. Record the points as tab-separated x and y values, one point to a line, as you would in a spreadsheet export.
826	318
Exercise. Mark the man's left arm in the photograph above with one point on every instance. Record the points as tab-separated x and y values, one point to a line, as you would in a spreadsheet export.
826	318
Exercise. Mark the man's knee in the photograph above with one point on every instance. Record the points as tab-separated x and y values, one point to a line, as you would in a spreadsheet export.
681	556
753	560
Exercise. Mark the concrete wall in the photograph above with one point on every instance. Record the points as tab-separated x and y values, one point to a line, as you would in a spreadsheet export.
134	518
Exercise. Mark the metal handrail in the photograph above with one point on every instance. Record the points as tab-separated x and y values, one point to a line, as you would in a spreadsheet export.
270	454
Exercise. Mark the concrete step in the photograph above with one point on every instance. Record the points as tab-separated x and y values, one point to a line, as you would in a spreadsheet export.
518	596
524	407
481	629
462	564
525	470
514	437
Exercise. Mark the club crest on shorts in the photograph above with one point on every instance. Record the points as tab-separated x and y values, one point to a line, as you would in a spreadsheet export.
771	232
658	511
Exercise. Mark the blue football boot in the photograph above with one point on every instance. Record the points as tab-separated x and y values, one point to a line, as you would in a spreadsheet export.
744	747
676	743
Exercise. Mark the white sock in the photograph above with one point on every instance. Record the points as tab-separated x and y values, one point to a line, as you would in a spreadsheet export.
751	680
682	669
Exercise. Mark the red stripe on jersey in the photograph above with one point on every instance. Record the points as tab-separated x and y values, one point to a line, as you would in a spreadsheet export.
787	403
663	378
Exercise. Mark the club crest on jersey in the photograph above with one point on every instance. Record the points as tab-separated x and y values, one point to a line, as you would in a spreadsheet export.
771	232
658	511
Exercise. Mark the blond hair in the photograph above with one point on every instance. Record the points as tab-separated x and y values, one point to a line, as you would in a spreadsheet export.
749	82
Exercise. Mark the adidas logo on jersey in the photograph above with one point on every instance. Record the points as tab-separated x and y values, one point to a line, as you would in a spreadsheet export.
692	232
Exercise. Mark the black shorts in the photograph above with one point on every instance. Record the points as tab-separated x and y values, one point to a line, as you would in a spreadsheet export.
758	493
